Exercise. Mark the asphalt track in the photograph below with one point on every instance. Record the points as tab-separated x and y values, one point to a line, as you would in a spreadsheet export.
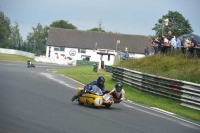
34	100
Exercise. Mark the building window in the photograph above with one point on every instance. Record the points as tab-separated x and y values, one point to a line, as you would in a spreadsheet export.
81	51
62	48
59	48
108	57
56	49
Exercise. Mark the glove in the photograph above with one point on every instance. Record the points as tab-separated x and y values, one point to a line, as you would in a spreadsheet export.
117	101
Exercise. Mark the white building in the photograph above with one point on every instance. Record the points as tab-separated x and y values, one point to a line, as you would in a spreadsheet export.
66	44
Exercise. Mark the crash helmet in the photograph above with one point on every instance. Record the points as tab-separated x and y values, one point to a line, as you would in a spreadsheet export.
101	80
118	86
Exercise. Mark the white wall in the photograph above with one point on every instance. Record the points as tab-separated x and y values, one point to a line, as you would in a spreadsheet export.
92	53
131	55
17	52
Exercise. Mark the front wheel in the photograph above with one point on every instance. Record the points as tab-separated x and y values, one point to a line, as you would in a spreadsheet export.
107	105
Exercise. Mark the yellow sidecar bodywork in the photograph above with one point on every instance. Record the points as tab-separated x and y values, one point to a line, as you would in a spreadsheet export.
92	99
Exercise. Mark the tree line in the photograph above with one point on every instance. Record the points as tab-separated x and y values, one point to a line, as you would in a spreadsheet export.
36	41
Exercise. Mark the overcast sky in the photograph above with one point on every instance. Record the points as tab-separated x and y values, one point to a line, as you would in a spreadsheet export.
136	17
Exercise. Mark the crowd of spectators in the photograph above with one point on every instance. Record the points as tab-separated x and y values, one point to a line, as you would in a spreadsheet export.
168	44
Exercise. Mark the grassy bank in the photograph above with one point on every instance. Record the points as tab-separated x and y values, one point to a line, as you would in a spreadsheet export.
174	66
85	75
12	57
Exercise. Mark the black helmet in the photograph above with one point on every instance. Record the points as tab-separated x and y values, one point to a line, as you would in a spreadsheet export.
101	80
118	86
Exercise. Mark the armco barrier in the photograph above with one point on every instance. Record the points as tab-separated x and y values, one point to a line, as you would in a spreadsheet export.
85	63
108	68
187	93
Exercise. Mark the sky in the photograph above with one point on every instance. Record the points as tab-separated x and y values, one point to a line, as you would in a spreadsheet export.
135	17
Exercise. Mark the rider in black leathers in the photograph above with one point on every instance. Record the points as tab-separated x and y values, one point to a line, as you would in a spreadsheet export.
99	83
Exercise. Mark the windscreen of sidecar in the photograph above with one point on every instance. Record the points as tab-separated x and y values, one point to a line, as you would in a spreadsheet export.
96	90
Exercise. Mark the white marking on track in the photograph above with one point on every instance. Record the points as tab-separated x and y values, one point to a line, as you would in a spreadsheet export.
50	76
160	110
169	114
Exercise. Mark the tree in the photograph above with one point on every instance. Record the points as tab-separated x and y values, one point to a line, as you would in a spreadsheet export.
38	39
15	41
4	30
177	24
97	29
63	24
100	29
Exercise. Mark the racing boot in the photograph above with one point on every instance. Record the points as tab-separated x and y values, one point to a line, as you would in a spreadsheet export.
74	97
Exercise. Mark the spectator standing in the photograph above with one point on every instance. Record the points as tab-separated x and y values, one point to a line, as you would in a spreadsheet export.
192	45
198	49
173	45
124	56
178	44
159	43
155	45
169	38
185	43
165	44
127	54
146	51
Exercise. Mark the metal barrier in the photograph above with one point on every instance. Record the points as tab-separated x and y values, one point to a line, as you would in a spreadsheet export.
108	68
187	93
85	63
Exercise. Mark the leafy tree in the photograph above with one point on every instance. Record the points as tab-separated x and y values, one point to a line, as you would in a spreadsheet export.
15	41
38	39
177	24
100	29
97	29
63	24
4	30
30	42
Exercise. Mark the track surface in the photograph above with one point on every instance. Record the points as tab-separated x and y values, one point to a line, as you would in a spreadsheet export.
33	100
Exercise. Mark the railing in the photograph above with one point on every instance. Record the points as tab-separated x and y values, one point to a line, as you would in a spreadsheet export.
85	63
187	93
108	68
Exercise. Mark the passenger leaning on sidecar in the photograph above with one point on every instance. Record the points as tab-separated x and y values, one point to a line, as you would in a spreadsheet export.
118	93
99	83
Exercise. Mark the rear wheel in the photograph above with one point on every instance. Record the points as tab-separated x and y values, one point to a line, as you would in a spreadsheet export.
80	103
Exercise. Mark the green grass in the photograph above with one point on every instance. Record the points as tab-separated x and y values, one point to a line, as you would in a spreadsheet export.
12	57
85	75
174	66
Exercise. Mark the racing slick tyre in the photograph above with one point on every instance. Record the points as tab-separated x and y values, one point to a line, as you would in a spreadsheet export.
95	107
80	103
107	105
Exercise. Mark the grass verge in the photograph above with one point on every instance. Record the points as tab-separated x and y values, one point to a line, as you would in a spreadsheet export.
12	57
171	66
85	75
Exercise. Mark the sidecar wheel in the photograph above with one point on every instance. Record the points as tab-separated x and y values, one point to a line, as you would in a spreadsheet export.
80	103
95	107
107	105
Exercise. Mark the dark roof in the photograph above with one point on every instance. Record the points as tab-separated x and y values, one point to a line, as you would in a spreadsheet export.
88	39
